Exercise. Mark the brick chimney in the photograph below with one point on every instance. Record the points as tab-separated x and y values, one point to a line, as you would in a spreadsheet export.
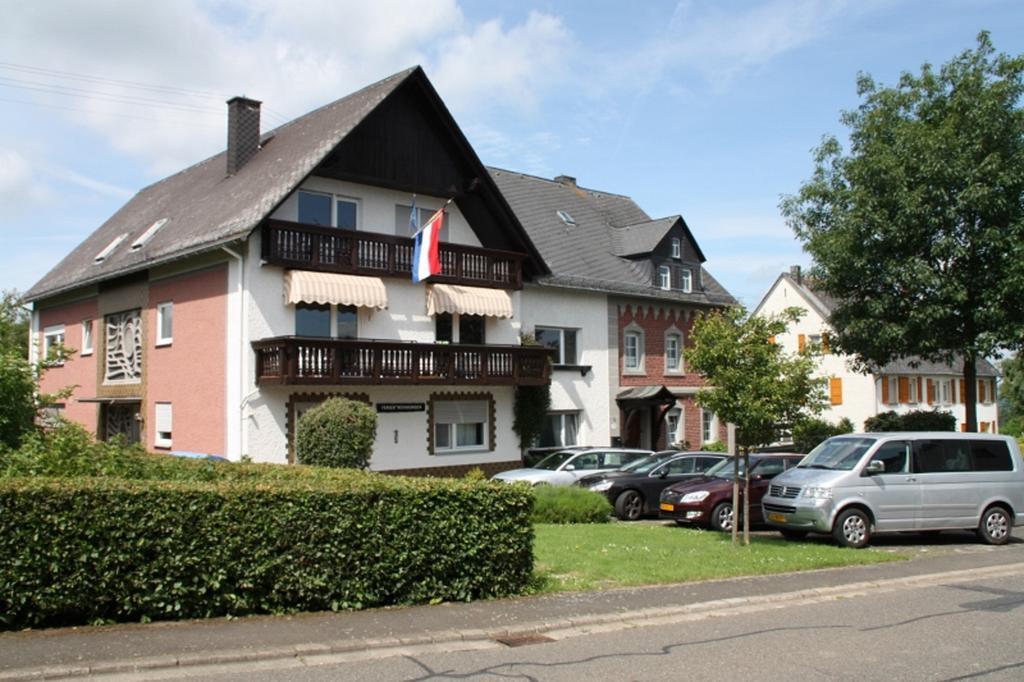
567	180
243	132
796	273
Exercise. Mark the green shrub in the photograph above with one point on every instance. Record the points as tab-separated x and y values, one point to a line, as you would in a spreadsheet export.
715	446
917	420
83	550
807	433
476	474
569	504
337	433
17	399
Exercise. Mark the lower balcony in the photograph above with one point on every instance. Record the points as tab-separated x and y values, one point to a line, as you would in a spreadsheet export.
294	360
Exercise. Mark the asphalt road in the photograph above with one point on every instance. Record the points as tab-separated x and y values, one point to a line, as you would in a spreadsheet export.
946	631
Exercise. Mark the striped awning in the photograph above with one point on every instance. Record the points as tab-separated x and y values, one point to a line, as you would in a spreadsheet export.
304	286
455	298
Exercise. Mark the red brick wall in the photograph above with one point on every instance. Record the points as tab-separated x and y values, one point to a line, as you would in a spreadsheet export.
78	371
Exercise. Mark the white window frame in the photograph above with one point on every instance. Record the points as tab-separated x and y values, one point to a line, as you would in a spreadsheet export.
945	392
334	206
708	429
686	280
161	311
88	342
664	277
672	434
912	397
54	335
561	359
638	366
894	390
561	415
677	248
452	428
677	336
163	425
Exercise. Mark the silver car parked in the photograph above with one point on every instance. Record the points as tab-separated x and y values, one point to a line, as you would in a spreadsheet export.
858	484
565	467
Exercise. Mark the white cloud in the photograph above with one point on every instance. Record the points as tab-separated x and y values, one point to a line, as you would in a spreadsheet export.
292	60
20	184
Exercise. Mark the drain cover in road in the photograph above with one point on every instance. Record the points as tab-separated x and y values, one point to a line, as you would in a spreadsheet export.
522	640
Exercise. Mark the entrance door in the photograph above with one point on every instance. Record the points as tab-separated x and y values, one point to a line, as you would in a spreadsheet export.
645	428
122	419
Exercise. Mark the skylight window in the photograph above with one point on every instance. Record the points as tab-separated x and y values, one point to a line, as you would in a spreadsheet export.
145	236
566	218
102	255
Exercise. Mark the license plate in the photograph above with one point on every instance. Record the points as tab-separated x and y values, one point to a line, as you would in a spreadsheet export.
667	507
779	518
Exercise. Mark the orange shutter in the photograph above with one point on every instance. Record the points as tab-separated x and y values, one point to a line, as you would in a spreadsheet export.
981	391
931	392
963	426
984	427
963	391
920	390
836	390
801	342
824	343
904	389
771	339
885	390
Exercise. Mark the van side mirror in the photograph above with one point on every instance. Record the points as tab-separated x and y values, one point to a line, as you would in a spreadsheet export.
875	466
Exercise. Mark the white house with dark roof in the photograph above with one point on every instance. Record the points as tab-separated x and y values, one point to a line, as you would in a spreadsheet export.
221	302
900	386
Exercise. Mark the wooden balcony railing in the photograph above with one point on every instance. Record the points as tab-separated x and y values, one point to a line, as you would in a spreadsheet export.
328	249
295	360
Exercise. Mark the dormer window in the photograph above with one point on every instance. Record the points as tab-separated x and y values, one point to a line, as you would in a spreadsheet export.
664	277
102	255
566	218
686	280
145	236
677	248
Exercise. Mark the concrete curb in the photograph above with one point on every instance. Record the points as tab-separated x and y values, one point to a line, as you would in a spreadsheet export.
559	629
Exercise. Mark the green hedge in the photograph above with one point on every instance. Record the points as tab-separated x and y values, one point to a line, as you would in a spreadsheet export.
569	504
98	550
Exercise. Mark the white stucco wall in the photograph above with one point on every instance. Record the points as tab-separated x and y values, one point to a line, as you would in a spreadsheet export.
587	312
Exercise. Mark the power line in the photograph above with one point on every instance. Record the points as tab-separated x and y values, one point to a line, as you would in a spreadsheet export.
207	122
69	91
97	79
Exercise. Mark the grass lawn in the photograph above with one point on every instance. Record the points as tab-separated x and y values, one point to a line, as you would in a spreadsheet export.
598	556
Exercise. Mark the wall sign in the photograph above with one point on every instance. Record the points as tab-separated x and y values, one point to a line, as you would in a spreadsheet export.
401	407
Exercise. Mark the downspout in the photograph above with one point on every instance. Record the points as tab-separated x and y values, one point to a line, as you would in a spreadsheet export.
243	354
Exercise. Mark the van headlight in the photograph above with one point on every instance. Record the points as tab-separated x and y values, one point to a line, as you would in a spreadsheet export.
816	493
601	486
698	496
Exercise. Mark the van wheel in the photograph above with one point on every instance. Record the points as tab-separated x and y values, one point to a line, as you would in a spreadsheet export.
852	529
793	534
722	517
995	526
629	505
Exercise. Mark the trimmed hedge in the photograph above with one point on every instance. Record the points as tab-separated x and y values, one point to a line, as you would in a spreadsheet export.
337	433
76	551
569	504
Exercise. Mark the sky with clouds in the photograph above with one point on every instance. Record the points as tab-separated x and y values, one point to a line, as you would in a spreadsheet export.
703	108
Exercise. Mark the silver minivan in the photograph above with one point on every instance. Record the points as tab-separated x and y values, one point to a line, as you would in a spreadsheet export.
858	484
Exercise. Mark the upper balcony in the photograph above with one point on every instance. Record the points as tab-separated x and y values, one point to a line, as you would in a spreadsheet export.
330	249
293	360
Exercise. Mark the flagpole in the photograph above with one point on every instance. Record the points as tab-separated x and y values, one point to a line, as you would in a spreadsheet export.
435	213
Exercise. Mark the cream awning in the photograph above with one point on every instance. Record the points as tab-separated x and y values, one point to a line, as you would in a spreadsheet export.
304	286
455	298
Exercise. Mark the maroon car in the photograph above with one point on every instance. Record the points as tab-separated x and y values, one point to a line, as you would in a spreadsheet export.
707	501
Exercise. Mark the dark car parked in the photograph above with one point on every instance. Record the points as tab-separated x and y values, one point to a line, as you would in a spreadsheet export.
635	488
707	501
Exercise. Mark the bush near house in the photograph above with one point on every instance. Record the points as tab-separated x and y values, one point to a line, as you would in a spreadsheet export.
917	420
569	504
337	433
148	537
808	433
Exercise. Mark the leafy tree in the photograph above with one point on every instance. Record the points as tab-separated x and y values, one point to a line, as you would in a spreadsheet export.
918	231
17	398
14	323
752	383
1011	396
808	433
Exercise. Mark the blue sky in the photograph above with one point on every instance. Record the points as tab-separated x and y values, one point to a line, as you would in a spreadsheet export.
701	108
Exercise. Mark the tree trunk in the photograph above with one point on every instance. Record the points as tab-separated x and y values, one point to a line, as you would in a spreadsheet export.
746	497
971	392
735	497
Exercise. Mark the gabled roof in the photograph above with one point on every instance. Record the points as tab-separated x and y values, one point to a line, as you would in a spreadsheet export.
915	366
205	208
818	300
584	255
642	238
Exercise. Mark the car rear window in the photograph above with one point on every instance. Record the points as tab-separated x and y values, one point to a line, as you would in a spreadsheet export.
991	455
957	455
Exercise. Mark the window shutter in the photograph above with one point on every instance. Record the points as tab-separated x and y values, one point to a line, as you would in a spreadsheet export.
460	411
836	390
963	426
963	391
904	389
824	343
771	339
920	390
801	342
931	392
885	390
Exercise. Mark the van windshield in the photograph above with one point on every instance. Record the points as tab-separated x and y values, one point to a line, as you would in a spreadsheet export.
837	453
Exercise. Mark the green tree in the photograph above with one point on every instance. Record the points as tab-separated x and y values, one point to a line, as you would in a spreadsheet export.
14	322
918	231
17	398
1011	396
752	383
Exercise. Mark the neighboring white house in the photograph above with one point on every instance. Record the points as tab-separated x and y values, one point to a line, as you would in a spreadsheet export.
901	386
